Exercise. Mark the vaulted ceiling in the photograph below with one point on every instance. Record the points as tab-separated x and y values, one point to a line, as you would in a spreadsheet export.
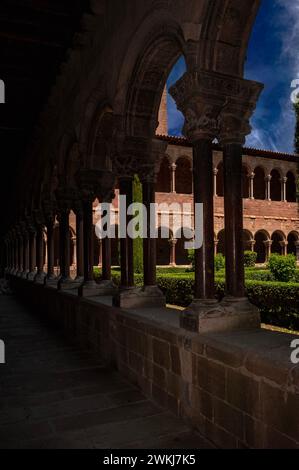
34	38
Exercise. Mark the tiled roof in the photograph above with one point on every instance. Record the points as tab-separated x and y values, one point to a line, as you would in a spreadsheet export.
182	141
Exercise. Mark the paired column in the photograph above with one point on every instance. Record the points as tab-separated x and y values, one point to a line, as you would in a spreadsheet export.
40	275
173	243
51	277
233	210
203	180
173	168
268	187
268	245
64	240
284	189
126	243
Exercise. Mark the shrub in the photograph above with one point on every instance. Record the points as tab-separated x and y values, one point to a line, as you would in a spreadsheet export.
250	258
283	268
219	262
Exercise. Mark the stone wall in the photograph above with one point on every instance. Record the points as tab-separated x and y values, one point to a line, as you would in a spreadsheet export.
240	390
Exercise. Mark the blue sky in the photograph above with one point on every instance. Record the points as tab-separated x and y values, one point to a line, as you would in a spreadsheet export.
273	59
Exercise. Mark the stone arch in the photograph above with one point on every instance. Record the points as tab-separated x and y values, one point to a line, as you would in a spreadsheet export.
291	187
163	184
293	238
275	185
247	239
259	183
245	181
159	53
183	178
277	238
261	237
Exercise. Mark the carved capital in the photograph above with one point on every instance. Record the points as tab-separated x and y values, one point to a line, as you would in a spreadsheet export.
216	105
96	183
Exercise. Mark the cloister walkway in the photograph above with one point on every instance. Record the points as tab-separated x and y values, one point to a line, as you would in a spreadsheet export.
54	395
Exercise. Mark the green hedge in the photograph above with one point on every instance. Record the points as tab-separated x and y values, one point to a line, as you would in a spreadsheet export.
277	301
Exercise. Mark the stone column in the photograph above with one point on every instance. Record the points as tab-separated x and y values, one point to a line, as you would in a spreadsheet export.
218	105
64	245
268	245
251	186
32	251
100	263
173	243
268	187
173	168
151	294
252	244
216	243
25	252
215	172
40	275
284	247
51	279
233	208
126	243
20	252
284	189
17	263
79	241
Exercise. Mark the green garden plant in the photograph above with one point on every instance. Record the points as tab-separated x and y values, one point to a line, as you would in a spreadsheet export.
283	268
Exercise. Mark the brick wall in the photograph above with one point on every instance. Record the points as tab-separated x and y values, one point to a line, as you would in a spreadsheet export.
240	390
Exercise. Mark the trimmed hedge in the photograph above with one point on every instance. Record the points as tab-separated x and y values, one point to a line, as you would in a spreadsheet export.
278	301
250	258
283	268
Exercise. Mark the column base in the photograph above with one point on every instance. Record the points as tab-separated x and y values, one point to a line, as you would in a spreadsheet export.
31	276
139	297
88	289
67	283
213	317
24	275
51	281
107	288
40	278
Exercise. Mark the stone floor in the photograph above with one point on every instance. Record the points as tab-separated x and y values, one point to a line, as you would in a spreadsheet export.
54	395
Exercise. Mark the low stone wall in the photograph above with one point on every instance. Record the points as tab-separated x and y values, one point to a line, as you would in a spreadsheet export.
239	389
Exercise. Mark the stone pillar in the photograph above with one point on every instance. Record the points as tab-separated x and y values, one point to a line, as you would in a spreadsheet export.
284	189
74	242
233	208
16	253
216	243
268	187
152	295
268	245
173	168
215	172
173	243
32	252
25	252
79	242
40	275
218	105
251	186
100	263
64	245
284	247
51	278
20	252
252	244
126	244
